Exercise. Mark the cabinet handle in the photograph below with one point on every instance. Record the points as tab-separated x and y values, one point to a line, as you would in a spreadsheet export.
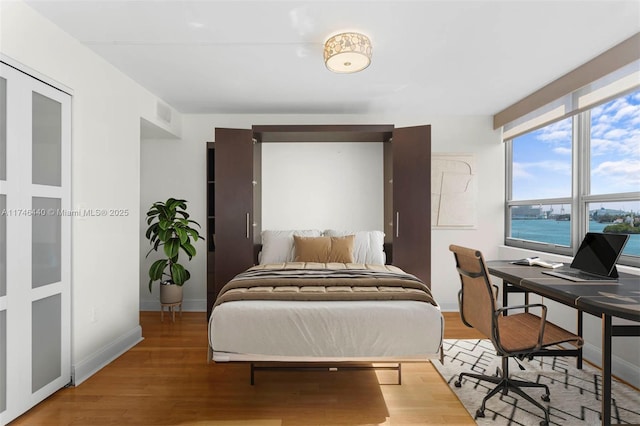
397	224
247	235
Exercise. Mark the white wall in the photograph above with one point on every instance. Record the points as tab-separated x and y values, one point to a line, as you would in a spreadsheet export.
106	111
322	186
187	158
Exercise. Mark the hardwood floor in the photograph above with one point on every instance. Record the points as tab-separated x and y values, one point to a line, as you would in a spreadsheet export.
165	380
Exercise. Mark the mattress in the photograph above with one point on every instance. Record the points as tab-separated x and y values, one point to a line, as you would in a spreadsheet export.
325	330
329	330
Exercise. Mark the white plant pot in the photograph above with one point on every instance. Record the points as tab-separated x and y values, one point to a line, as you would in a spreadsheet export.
170	293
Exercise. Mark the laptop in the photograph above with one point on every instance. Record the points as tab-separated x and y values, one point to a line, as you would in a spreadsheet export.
596	258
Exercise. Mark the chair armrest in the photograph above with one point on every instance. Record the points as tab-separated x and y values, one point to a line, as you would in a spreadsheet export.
543	319
530	305
464	321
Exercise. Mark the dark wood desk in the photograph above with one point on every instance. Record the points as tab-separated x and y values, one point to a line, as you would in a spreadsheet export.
619	299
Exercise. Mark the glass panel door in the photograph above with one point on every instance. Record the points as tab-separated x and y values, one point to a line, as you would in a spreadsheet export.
3	293
3	360
46	242
35	275
47	137
47	338
3	129
3	245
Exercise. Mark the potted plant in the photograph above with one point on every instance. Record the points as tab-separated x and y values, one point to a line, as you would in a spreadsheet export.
171	229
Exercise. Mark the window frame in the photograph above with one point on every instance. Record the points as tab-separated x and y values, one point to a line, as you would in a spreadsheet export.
579	198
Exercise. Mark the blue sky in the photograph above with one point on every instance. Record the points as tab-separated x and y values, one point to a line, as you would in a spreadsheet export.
542	159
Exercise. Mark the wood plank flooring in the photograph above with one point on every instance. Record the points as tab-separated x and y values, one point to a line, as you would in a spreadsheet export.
165	380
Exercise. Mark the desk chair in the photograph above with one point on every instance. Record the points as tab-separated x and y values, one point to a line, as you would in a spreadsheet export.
515	335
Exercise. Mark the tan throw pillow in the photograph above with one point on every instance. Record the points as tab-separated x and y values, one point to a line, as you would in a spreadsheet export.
324	249
342	249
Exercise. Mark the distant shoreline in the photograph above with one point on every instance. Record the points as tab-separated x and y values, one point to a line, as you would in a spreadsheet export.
558	232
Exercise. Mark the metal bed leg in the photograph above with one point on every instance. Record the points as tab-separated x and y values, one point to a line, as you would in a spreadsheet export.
399	373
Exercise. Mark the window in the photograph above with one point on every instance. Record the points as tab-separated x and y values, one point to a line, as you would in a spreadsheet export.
576	175
615	146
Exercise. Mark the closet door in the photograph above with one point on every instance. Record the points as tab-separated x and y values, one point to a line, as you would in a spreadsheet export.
411	148
35	309
234	203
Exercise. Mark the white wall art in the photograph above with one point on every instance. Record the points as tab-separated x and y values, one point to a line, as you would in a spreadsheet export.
453	190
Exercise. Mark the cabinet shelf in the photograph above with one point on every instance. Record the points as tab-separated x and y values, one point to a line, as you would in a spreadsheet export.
211	220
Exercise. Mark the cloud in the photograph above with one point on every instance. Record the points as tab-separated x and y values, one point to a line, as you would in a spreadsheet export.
519	171
556	132
616	133
563	167
616	113
618	167
615	150
535	169
615	129
562	150
626	110
619	176
601	147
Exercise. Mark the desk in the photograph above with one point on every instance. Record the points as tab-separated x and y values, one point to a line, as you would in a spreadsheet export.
605	300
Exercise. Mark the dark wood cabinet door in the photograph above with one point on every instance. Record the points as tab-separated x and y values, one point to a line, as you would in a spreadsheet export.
234	197
412	200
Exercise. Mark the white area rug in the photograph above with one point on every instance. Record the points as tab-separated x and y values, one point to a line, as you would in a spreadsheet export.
575	394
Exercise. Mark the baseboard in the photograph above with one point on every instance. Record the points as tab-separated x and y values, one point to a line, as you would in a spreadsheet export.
188	305
86	368
622	369
449	307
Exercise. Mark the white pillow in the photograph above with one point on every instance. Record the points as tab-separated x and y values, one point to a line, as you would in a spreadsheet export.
367	246
277	246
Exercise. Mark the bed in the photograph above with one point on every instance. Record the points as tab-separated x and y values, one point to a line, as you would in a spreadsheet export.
305	302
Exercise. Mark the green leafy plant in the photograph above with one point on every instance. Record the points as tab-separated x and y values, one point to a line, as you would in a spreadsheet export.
170	229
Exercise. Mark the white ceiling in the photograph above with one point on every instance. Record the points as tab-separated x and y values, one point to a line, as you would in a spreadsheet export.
437	57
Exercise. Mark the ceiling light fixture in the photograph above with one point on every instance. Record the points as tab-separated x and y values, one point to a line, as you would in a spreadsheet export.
347	52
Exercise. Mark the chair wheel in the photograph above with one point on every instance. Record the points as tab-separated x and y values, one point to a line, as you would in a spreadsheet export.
544	423
546	397
457	383
480	413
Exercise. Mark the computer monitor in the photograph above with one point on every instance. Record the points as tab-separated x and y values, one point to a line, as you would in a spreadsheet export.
599	252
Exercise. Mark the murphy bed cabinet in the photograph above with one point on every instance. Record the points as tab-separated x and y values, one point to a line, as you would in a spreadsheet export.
236	202
411	151
235	237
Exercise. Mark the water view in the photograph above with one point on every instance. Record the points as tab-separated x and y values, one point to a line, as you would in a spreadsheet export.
559	232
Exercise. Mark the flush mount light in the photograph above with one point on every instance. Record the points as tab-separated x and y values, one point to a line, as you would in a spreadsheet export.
347	52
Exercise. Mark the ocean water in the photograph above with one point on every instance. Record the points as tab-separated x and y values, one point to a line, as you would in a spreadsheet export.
559	232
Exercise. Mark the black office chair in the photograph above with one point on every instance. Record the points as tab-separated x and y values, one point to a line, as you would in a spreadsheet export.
516	335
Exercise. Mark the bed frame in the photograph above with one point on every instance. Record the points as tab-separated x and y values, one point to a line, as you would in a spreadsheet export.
321	366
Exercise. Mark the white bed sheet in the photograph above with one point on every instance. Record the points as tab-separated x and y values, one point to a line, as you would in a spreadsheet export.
325	330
